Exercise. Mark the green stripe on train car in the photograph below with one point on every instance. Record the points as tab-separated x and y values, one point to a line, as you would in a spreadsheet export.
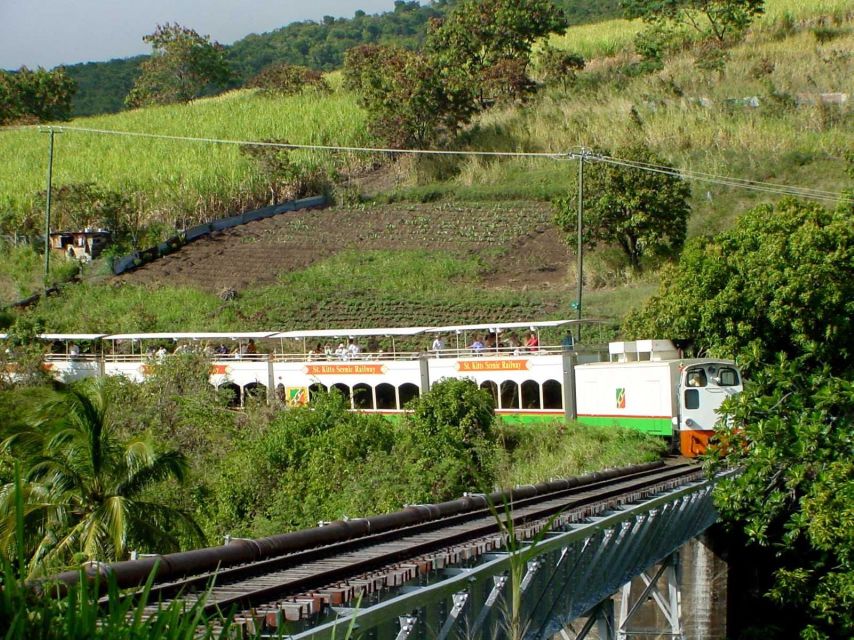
655	426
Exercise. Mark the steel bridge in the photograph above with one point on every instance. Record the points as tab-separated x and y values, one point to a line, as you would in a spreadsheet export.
564	582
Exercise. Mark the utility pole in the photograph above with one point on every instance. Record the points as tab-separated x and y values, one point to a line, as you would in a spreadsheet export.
580	249
51	132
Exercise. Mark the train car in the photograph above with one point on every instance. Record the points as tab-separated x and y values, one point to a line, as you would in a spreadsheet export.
643	385
646	386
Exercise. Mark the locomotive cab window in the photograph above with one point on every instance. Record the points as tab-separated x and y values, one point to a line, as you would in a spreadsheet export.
727	377
696	378
692	399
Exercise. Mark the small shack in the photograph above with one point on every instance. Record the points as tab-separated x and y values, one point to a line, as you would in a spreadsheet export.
81	245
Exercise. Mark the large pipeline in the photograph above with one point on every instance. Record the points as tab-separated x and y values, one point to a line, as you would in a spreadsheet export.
173	566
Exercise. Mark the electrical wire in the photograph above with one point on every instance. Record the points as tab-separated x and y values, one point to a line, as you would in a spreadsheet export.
576	153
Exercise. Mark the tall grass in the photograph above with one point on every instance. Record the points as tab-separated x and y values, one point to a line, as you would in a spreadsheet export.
194	178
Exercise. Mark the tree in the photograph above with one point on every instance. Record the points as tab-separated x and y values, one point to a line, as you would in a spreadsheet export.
720	20
480	34
778	282
449	438
283	79
408	104
776	293
182	66
790	432
35	96
645	213
560	66
84	490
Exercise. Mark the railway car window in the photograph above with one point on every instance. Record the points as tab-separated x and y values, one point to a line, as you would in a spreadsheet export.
385	396
509	395
490	386
316	389
692	399
530	395
233	392
254	390
344	390
407	392
363	396
727	377
552	395
696	378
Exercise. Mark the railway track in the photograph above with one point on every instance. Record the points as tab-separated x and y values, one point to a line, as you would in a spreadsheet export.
298	585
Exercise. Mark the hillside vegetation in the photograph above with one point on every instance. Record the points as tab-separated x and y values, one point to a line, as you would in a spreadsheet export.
689	117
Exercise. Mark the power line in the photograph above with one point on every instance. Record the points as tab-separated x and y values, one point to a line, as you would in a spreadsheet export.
741	183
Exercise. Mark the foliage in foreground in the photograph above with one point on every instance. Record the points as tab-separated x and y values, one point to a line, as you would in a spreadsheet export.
776	293
793	433
778	282
84	488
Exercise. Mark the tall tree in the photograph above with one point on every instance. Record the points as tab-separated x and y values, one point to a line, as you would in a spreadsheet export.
182	66
35	96
717	19
644	213
85	490
408	104
777	293
478	38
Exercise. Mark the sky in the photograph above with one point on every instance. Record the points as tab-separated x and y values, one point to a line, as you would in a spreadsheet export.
51	32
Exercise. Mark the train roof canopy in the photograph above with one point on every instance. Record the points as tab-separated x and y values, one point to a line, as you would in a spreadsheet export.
256	335
351	333
71	336
491	326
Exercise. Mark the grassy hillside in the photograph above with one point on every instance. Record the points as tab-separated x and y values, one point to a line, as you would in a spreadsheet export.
793	54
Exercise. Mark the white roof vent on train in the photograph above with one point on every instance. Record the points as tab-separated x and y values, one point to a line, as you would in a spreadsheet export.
642	350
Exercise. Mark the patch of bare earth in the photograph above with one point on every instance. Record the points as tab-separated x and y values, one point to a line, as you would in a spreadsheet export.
517	242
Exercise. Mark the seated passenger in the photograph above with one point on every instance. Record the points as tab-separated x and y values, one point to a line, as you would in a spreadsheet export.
477	346
341	351
438	344
251	349
353	350
532	343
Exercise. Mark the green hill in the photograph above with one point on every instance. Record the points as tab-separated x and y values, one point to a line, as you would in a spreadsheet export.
697	121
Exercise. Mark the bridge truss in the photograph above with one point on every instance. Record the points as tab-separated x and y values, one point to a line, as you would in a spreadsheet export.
541	589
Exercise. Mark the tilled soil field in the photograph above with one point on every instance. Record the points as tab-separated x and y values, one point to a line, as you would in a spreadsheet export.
518	243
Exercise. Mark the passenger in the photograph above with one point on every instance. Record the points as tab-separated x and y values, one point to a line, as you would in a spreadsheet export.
160	354
513	344
251	349
489	341
341	351
476	346
438	344
532	343
317	352
567	343
74	350
353	350
327	351
221	350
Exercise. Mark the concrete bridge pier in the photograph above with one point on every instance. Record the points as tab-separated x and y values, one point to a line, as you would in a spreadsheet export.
684	597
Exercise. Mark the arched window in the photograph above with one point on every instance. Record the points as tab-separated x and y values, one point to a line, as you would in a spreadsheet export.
509	395
552	395
254	390
407	392
530	395
386	398
316	389
233	391
490	386
363	396
344	390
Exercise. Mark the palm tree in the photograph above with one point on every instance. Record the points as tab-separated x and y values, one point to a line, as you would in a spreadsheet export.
84	489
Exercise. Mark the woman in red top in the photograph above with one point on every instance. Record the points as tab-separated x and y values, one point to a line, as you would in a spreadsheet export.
532	343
